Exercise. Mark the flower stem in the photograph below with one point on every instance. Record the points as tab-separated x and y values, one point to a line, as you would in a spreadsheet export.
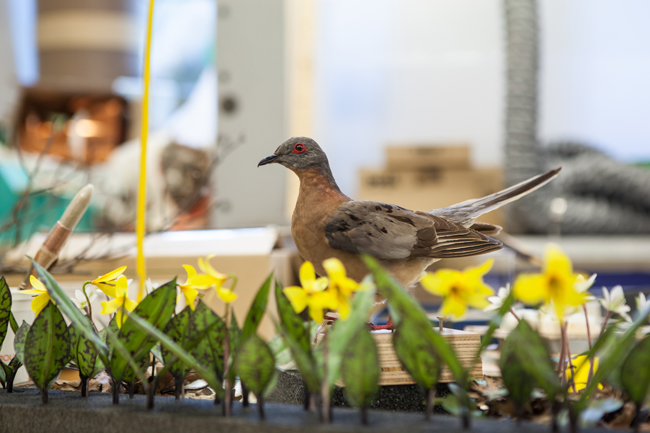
88	306
591	364
512	311
325	388
607	317
571	367
226	366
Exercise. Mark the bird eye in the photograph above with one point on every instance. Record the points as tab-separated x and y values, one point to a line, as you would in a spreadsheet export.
299	148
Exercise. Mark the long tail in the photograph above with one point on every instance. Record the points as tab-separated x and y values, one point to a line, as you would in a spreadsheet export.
467	211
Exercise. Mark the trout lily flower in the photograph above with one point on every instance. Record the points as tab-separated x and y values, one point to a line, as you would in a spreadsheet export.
42	296
187	289
340	286
556	286
497	301
108	281
642	304
120	302
614	302
311	295
213	278
459	288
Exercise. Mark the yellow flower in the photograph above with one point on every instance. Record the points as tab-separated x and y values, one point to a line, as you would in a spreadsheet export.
582	372
42	296
107	281
341	286
213	278
311	295
556	285
459	289
188	290
121	302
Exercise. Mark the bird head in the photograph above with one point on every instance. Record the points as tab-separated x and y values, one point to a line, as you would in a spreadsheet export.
298	153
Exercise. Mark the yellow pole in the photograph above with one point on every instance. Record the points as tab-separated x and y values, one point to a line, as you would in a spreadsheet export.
142	188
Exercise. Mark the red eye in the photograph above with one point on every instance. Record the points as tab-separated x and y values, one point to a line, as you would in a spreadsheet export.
299	148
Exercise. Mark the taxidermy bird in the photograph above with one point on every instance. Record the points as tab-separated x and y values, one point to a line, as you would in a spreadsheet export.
327	223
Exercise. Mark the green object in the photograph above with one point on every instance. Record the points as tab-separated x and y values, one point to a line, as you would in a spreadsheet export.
176	329
5	309
257	309
39	212
361	370
83	352
19	341
291	322
255	365
311	372
177	350
209	350
47	348
156	308
635	374
71	311
418	355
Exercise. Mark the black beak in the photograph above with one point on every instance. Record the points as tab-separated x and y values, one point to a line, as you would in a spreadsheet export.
269	160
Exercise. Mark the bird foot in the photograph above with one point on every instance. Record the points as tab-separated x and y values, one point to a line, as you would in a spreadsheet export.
387	327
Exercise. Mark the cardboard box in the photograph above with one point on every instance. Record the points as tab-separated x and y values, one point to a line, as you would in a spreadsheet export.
425	156
431	189
247	253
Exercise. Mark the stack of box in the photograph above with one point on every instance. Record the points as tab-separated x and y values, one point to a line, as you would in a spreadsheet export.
425	177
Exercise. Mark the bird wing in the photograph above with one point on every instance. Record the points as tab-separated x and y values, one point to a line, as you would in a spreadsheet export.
391	232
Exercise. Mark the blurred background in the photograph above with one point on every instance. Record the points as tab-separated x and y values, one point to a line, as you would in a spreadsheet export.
421	103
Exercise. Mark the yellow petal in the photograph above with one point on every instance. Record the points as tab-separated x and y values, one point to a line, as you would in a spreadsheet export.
453	306
129	305
206	267
316	314
108	289
334	268
479	271
109	307
33	292
120	318
36	283
343	308
191	272
556	261
202	282
226	295
307	275
190	295
121	287
39	302
112	275
531	289
439	283
320	284
297	297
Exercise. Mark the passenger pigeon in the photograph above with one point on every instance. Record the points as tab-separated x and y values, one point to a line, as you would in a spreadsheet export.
327	223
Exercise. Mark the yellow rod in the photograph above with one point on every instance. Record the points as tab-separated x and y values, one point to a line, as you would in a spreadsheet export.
142	187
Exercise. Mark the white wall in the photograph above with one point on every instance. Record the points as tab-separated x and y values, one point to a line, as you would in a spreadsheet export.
433	70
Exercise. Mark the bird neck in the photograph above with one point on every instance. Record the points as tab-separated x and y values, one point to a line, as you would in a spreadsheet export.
318	180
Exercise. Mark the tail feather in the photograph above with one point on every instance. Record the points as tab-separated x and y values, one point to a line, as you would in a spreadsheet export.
466	212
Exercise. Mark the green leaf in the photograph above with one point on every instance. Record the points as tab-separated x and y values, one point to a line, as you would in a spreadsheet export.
257	309
71	310
526	345
404	306
418	355
47	347
12	321
177	350
5	309
612	359
207	334
83	351
19	341
635	374
360	370
157	352
176	329
135	368
343	332
291	322
4	372
255	364
519	383
156	308
311	372
234	333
